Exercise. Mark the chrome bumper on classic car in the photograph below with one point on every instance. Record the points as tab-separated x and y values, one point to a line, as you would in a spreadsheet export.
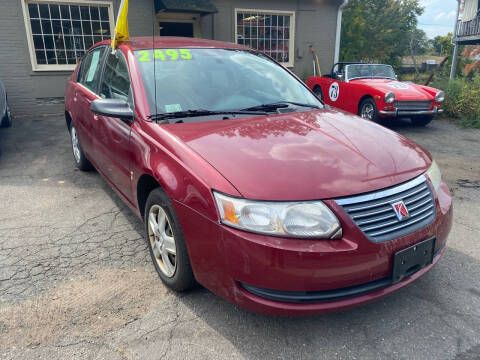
401	112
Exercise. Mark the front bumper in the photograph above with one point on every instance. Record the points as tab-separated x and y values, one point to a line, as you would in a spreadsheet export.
400	113
245	268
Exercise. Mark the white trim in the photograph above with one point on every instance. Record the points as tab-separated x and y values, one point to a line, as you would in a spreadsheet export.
291	47
28	28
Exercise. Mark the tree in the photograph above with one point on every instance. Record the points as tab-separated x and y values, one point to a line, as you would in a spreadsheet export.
419	43
443	45
379	30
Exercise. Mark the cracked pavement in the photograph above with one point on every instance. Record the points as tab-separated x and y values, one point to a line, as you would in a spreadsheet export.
76	280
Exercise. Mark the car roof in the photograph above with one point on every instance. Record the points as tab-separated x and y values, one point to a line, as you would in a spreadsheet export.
162	42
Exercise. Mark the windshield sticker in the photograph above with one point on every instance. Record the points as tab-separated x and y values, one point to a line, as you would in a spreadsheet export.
93	66
334	91
398	85
164	55
173	108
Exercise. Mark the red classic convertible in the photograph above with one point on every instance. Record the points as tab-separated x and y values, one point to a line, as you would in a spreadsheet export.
373	92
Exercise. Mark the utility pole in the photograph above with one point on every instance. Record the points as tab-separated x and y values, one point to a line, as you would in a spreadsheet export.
455	50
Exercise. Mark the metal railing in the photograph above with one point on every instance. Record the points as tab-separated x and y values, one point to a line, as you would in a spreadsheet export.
469	28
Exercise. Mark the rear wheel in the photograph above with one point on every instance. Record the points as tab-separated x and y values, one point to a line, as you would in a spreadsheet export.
7	118
317	90
368	110
422	120
80	159
166	243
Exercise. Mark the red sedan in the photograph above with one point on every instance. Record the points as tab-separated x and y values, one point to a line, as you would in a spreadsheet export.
247	184
373	92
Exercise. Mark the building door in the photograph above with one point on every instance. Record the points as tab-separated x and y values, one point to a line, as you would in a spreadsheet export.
178	24
176	29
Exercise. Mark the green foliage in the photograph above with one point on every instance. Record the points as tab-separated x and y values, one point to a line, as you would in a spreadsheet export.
444	47
378	30
462	100
420	43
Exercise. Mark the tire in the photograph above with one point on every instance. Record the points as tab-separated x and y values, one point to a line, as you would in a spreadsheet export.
159	241
368	110
317	90
7	118
422	120
81	160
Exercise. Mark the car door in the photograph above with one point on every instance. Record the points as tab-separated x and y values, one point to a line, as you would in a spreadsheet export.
112	135
86	90
333	88
335	93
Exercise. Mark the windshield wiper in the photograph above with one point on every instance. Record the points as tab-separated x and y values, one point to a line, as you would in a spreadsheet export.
199	112
279	105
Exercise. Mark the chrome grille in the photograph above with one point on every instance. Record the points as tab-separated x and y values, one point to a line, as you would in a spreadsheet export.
373	212
413	105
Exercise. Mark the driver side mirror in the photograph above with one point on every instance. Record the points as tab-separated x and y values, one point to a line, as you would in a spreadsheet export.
112	108
340	77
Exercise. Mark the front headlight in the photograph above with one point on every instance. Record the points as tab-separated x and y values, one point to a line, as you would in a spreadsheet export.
306	219
435	175
389	97
440	97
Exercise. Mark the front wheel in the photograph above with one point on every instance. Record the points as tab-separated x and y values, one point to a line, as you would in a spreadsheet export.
166	243
368	110
422	120
7	118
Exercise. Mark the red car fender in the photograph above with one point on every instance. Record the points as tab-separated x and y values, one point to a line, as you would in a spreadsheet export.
428	89
180	172
377	95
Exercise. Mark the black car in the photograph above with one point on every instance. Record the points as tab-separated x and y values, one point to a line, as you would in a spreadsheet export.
5	117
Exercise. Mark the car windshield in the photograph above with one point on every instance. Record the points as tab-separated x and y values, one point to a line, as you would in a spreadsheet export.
359	71
182	80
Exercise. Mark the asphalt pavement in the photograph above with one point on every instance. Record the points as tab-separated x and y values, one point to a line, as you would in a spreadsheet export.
76	280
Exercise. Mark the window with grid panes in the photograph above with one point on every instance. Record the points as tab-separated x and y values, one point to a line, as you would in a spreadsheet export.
271	32
61	32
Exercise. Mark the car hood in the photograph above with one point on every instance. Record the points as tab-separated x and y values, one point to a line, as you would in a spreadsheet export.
402	90
303	156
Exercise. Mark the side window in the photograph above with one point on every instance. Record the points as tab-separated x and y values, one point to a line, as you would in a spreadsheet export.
115	80
90	69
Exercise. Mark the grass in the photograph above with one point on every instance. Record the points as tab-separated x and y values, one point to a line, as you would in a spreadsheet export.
468	122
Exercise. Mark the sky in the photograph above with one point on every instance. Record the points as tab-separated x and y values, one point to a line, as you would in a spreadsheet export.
438	17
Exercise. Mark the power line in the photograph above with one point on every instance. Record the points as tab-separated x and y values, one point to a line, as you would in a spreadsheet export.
439	25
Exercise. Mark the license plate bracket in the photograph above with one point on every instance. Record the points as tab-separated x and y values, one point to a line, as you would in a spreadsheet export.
412	259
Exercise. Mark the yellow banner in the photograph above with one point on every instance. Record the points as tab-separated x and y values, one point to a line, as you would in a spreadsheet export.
121	27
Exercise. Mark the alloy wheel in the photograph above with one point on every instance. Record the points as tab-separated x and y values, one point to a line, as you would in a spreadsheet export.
75	145
368	112
162	240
